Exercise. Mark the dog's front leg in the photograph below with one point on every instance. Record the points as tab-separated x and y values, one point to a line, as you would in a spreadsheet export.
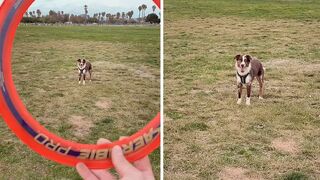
248	93
84	79
79	78
240	86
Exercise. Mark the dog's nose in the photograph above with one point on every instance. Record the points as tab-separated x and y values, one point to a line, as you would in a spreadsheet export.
242	65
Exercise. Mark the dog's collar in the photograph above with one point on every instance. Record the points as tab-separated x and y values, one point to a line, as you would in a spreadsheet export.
243	78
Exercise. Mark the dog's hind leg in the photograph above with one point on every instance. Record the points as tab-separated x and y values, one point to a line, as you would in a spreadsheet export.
261	83
90	72
260	80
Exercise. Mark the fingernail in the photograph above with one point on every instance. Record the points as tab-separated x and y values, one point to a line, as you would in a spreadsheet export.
80	165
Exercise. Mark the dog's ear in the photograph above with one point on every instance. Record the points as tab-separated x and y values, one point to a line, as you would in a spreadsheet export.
249	58
84	61
79	60
237	57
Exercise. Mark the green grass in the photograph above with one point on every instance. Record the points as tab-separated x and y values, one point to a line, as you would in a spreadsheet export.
121	99
296	176
207	135
255	9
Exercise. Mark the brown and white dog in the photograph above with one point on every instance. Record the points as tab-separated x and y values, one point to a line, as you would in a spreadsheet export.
84	67
248	68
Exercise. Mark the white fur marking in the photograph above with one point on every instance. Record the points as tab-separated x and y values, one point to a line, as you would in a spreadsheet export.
247	101
242	61
239	101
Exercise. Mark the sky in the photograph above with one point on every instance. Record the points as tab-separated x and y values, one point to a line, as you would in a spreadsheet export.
94	6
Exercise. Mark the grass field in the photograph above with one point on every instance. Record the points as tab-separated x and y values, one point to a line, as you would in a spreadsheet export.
209	136
122	97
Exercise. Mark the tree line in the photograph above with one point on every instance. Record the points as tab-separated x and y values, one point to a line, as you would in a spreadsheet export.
99	18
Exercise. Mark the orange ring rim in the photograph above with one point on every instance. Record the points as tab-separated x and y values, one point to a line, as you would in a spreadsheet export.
39	139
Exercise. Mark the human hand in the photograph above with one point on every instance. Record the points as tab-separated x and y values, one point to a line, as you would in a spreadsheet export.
139	170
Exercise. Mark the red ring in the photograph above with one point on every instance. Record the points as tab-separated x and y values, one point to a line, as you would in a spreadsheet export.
46	149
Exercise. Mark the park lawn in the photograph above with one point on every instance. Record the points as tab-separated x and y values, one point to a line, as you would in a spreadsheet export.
209	136
123	96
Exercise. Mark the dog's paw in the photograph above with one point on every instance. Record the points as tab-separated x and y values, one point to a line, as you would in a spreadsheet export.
239	101
84	83
248	102
260	97
79	82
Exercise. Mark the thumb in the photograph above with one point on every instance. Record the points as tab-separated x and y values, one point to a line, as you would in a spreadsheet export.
121	164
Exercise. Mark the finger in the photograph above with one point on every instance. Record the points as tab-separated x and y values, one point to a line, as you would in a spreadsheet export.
103	141
85	172
143	164
120	163
103	174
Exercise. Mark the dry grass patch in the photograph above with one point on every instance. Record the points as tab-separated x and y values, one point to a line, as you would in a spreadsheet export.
81	126
104	103
229	173
287	145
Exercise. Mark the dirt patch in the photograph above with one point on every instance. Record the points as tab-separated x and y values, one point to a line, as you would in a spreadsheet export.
81	125
104	103
287	145
235	173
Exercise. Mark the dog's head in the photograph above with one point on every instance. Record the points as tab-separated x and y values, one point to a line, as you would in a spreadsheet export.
243	62
81	62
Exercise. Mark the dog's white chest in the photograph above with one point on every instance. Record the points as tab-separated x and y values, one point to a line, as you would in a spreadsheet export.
245	79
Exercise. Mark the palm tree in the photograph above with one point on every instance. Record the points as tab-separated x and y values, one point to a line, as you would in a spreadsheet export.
153	8
140	8
108	16
95	15
86	9
38	13
86	13
130	14
103	14
144	7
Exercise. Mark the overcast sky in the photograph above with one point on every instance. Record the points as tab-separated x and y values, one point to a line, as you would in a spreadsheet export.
94	6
